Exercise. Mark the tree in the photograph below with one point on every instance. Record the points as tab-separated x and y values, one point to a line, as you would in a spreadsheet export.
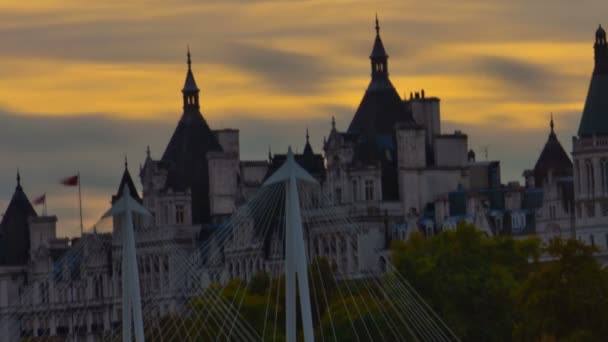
566	298
468	278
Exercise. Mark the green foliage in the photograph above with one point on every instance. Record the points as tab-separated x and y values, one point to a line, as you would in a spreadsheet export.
503	289
567	297
468	278
484	289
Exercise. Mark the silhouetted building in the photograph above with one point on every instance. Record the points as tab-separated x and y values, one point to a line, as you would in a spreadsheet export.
552	180
199	179
590	154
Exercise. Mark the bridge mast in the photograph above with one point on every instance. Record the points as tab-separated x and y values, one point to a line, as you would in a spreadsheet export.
296	264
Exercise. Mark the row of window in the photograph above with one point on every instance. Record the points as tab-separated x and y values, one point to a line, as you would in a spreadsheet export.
368	192
590	211
592	239
179	214
589	179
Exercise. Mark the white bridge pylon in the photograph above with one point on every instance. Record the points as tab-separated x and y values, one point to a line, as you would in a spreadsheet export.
131	296
295	256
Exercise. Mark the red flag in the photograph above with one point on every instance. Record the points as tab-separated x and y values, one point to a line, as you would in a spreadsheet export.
40	200
70	181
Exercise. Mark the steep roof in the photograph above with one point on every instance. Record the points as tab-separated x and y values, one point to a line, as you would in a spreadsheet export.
595	114
552	158
126	181
185	155
380	110
14	229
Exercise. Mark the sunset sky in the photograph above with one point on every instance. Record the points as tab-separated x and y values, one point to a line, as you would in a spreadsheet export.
84	83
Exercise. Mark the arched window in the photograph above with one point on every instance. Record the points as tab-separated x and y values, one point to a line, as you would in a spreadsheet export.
578	176
336	165
604	175
589	176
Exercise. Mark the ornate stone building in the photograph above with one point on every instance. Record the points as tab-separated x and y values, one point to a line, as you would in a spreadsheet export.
392	172
590	154
553	177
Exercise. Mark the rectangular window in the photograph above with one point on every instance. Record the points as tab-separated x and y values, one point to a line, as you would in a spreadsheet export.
369	190
179	213
165	214
338	198
604	208
590	209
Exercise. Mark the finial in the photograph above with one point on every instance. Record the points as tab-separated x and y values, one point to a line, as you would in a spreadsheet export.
148	151
333	123
269	153
189	61
126	162
377	25
307	136
552	125
18	177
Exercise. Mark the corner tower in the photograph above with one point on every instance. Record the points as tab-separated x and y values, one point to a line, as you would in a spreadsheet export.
185	158
590	154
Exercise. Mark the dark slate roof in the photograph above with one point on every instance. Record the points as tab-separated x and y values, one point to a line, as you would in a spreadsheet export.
128	182
378	49
185	157
595	114
553	158
380	110
14	229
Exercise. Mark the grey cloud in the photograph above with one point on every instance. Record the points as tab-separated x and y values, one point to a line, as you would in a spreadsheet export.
523	80
285	71
48	148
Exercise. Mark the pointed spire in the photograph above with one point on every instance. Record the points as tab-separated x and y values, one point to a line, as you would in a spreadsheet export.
378	57
18	177
552	125
333	123
269	153
126	163
148	152
189	60
190	90
600	35
307	148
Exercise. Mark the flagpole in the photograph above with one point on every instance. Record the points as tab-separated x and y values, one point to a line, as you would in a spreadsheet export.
80	203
